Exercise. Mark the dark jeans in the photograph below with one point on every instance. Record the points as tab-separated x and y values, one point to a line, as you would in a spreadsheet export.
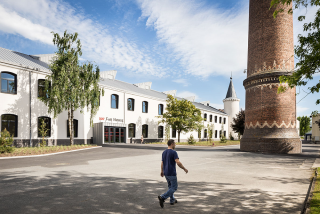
173	186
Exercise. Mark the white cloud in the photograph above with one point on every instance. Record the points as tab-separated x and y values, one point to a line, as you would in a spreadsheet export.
183	82
206	40
185	94
35	20
301	109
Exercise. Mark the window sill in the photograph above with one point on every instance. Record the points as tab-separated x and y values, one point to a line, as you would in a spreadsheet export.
8	93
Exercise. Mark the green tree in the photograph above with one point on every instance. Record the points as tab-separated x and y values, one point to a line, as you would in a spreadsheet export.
167	133
43	132
71	86
210	129
307	50
238	122
6	141
181	115
304	125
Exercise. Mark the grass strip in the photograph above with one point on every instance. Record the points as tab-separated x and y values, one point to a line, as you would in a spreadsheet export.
205	143
25	151
315	200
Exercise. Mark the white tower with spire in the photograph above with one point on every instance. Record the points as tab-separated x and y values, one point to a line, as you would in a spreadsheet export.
231	106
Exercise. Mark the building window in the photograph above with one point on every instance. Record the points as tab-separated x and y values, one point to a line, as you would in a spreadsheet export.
216	134
145	131
210	118
131	104
174	133
219	119
224	120
132	130
160	112
144	107
8	83
41	88
10	123
160	131
114	101
199	134
225	133
205	117
215	119
75	128
205	133
47	121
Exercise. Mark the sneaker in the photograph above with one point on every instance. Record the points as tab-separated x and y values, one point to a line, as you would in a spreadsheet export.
174	202
161	201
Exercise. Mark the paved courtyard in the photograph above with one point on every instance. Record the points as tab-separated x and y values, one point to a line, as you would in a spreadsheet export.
126	179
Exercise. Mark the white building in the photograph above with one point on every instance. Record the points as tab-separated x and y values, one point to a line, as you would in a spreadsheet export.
126	110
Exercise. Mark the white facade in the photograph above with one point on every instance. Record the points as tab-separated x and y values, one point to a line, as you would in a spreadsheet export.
27	108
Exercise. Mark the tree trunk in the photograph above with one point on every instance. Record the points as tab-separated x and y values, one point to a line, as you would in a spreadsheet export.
178	136
72	129
69	122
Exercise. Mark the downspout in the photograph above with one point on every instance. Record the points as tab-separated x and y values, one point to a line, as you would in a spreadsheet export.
30	142
124	114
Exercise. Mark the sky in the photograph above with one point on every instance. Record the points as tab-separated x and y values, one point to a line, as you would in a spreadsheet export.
191	46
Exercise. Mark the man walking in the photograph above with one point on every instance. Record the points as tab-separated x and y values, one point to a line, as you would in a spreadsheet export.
168	169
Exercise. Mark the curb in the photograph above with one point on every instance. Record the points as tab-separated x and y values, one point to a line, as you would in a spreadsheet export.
55	153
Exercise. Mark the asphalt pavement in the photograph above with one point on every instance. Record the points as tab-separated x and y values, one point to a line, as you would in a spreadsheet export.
126	179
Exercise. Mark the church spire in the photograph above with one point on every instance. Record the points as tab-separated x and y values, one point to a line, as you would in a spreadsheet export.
231	92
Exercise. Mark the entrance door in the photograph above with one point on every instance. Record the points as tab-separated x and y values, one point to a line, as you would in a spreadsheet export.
122	135
114	134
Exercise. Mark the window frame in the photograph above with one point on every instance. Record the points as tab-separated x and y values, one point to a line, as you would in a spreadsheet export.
220	120
116	100
215	133
16	124
215	119
224	120
132	101
75	131
205	117
174	133
145	126
205	133
160	113
15	81
160	131
146	106
134	130
210	117
49	131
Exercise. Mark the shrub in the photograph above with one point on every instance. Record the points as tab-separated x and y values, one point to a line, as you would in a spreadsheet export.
191	140
223	139
5	142
231	137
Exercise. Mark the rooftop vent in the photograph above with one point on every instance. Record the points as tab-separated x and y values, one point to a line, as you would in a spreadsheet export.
172	92
144	85
111	75
206	103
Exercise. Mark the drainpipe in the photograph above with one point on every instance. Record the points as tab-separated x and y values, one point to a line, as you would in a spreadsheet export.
124	114
30	143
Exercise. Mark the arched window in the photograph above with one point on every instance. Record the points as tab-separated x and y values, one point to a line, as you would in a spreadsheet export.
210	118
132	130
215	119
42	87
224	120
174	133
216	134
145	130
160	131
47	122
205	133
114	101
205	117
8	83
225	134
75	128
131	104
219	119
144	107
160	110
10	123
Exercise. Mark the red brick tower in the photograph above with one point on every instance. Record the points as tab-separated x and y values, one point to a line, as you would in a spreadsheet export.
270	124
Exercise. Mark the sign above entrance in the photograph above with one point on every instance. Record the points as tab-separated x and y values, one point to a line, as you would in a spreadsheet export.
107	119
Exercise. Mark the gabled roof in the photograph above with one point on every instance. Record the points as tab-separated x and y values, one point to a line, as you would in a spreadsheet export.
21	59
231	92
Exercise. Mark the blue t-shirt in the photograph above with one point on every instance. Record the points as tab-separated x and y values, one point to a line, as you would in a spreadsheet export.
169	164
